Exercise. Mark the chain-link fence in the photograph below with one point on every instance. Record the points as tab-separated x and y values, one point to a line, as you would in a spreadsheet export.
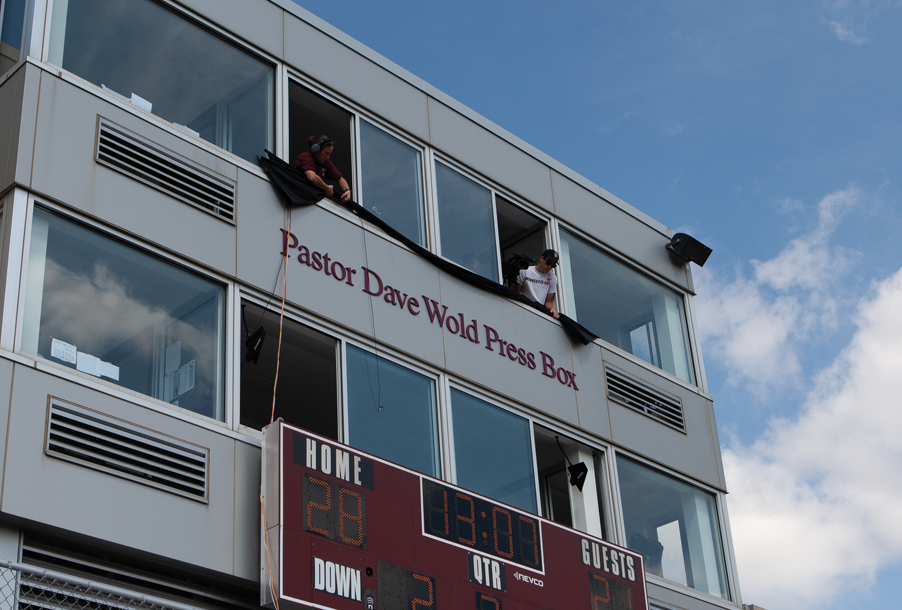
25	587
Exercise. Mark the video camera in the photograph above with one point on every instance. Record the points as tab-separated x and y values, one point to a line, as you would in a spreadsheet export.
511	268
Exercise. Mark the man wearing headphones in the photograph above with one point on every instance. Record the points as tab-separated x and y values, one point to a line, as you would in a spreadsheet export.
539	282
316	165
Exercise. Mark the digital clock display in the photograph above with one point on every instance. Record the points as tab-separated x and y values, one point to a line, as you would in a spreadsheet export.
346	530
468	520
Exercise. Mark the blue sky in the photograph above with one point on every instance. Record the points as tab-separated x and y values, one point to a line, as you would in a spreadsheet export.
771	131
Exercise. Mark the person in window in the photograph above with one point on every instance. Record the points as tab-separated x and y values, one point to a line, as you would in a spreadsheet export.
539	282
316	165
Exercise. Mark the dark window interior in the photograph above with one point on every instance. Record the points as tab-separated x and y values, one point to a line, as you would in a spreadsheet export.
553	482
311	115
307	395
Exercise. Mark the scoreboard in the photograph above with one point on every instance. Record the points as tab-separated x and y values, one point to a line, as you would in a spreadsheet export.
346	530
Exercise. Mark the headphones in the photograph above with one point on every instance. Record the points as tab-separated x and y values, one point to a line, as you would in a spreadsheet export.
326	141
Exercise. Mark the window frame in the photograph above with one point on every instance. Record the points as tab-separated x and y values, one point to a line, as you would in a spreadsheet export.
106	231
565	291
276	94
723	522
495	190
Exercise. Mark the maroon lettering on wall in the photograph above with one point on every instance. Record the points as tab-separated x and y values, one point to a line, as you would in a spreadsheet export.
454	323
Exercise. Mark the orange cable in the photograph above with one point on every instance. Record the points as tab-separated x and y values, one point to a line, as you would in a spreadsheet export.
272	588
281	319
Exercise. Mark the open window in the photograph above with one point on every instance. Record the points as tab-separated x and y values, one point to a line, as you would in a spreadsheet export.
479	229
105	308
625	308
310	114
163	63
307	395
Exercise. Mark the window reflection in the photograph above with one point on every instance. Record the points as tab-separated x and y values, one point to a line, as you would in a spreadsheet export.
493	451
466	221
675	526
392	412
104	308
625	308
12	32
169	66
392	181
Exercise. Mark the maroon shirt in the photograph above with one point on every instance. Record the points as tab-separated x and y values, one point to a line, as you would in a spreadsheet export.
307	161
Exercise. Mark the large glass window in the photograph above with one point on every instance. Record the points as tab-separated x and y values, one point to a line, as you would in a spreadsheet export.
392	177
12	33
307	395
392	412
675	526
625	308
100	306
466	222
493	451
169	66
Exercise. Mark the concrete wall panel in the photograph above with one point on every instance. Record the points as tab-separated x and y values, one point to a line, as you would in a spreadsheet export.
501	372
247	511
694	453
351	74
112	508
6	383
590	399
473	145
616	229
65	170
258	22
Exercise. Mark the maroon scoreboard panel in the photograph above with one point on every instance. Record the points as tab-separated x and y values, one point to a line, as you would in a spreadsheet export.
348	531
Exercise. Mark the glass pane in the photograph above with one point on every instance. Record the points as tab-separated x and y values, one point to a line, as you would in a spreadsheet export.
392	175
466	222
307	395
11	37
177	70
493	451
674	525
107	309
626	308
391	412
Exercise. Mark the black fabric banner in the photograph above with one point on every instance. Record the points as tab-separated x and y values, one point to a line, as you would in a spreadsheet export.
297	192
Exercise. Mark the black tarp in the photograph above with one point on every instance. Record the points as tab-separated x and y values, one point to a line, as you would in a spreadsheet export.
297	192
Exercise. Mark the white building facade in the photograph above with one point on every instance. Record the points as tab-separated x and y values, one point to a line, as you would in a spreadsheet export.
143	245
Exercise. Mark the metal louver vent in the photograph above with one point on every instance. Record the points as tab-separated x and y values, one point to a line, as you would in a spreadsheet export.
636	394
88	438
143	160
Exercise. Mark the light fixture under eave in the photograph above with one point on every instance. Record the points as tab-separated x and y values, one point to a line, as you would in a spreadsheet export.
577	471
689	249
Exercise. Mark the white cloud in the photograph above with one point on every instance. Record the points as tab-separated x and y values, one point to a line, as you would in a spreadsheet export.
849	19
755	326
815	503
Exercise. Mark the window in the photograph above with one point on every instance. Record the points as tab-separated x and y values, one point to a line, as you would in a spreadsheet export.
493	451
95	304
312	115
675	526
392	412
307	395
625	308
478	228
165	64
554	483
392	180
12	33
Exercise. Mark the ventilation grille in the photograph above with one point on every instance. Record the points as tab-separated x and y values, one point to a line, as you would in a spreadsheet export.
638	395
141	159
96	441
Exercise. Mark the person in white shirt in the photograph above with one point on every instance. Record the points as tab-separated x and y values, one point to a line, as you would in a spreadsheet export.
539	282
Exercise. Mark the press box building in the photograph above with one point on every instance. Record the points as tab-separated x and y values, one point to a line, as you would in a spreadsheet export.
142	245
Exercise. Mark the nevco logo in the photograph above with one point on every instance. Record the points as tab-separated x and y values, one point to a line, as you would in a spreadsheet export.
528	579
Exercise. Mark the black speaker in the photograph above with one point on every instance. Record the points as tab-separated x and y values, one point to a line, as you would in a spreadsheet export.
689	249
